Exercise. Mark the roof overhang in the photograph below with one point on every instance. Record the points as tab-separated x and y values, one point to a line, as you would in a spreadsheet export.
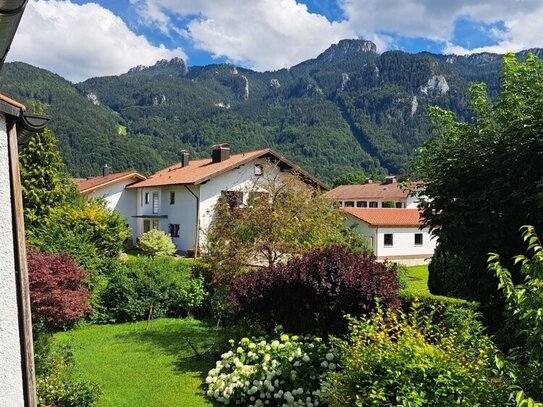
11	12
27	123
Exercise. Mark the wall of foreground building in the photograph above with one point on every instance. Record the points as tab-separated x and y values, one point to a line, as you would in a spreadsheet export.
11	382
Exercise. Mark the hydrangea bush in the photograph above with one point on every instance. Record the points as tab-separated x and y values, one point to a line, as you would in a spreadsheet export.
284	372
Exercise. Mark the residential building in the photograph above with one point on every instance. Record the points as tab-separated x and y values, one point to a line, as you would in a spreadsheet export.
373	195
180	199
111	187
396	235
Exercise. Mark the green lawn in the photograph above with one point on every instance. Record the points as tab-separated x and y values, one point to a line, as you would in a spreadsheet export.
418	278
135	367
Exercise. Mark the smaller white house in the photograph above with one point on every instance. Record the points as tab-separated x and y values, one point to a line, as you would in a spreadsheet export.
111	187
372	195
396	235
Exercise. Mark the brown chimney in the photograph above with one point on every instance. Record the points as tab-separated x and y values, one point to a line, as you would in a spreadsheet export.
184	158
220	152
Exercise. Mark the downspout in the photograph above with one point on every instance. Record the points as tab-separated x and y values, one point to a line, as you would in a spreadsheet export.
197	238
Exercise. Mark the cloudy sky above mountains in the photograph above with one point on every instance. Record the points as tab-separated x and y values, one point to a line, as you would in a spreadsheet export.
79	39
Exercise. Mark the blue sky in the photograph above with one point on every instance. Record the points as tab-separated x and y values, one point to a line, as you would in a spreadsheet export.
79	38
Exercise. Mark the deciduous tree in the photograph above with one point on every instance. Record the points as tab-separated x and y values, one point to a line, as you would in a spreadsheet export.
483	180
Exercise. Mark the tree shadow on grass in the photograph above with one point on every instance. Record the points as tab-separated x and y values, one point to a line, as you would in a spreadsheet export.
171	337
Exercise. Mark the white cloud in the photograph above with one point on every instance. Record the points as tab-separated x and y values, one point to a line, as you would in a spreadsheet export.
263	34
435	19
81	41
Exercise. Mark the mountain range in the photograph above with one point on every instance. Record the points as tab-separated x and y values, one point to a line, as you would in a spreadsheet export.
349	109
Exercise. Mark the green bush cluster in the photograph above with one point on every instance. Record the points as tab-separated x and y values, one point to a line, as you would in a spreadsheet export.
167	285
56	384
399	359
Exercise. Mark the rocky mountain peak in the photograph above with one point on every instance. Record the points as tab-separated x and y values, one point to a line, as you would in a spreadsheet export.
346	48
175	65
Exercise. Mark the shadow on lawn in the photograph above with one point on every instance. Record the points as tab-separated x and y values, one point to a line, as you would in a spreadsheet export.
172	338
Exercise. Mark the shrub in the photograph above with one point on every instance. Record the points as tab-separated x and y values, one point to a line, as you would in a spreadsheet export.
311	293
396	359
165	283
57	293
524	303
278	372
86	230
56	385
156	243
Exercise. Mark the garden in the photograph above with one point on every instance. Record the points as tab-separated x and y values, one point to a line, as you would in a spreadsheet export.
288	307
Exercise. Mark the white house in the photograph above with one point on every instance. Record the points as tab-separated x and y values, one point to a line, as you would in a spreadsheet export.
180	199
111	187
395	234
373	195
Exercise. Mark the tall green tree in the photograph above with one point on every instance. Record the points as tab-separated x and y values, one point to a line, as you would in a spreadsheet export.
484	179
44	185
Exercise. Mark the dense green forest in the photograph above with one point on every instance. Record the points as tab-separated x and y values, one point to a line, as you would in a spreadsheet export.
349	109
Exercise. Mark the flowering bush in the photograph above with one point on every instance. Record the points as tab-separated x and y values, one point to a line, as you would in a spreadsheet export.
311	293
284	372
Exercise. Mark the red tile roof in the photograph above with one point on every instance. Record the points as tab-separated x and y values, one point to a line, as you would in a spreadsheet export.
368	191
387	216
199	171
86	185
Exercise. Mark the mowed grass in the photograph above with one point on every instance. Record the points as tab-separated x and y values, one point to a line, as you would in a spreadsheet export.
135	367
417	278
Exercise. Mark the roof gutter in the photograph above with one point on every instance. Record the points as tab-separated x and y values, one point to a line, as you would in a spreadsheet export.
11	12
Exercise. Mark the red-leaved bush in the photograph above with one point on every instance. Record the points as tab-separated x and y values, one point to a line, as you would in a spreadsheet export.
57	294
310	294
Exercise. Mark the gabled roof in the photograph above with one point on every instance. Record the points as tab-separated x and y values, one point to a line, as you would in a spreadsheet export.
368	191
387	216
199	171
86	185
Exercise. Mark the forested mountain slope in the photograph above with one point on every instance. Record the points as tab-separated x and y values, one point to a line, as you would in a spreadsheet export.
348	109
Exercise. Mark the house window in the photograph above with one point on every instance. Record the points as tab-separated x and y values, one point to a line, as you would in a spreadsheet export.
150	224
172	198
374	204
259	170
399	205
147	199
173	230
234	199
388	240
362	204
418	239
349	204
155	202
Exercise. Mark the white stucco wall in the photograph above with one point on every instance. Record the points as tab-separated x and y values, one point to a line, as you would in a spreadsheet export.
11	374
182	213
240	179
119	199
403	249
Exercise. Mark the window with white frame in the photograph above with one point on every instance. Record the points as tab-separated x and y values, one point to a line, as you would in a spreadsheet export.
349	204
172	197
418	239
147	198
389	240
374	204
362	204
155	202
